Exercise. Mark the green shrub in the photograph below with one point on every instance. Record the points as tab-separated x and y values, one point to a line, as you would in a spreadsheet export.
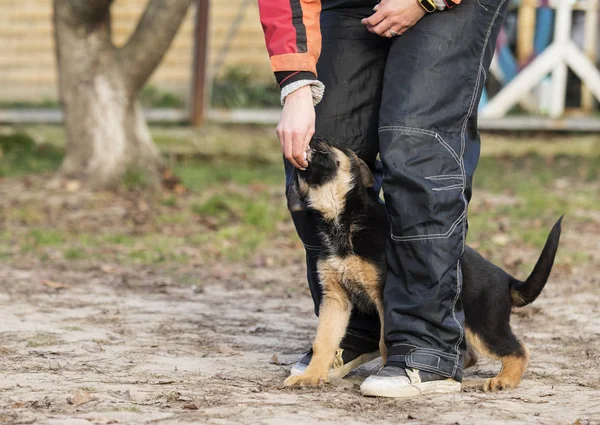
153	97
238	88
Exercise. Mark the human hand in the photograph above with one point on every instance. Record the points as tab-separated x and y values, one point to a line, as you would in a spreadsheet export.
395	15
297	126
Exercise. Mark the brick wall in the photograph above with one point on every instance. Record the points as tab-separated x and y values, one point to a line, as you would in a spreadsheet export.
27	69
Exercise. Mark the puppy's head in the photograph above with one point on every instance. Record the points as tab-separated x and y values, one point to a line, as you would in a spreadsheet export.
331	174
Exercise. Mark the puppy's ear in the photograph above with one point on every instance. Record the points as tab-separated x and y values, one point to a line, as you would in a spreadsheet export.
295	200
365	172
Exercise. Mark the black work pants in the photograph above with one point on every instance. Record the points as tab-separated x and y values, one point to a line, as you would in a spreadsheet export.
412	99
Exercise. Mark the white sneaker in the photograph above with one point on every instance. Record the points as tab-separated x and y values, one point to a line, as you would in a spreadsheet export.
393	381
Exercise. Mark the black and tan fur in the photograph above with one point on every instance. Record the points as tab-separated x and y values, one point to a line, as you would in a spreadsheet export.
353	228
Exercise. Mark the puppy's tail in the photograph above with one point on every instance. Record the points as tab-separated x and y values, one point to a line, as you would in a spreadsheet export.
523	293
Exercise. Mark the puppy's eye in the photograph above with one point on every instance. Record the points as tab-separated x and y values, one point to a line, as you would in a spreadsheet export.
338	163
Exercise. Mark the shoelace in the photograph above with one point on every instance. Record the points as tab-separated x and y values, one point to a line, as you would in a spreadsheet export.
413	376
338	361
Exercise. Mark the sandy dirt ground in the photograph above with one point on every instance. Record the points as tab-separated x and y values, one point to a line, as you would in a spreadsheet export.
107	344
121	346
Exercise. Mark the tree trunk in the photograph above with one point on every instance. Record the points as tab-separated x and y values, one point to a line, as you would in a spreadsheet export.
107	134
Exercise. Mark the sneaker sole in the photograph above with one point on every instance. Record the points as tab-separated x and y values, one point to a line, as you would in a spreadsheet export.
374	389
340	372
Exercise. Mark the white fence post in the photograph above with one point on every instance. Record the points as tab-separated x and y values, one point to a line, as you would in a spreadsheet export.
555	59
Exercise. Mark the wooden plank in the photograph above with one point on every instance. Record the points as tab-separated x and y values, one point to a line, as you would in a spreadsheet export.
55	116
525	81
522	123
562	36
590	40
512	123
526	31
585	70
271	116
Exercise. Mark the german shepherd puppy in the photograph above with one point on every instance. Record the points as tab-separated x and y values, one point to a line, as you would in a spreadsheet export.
352	267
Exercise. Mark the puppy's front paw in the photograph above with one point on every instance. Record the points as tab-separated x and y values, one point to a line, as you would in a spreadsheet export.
303	380
499	383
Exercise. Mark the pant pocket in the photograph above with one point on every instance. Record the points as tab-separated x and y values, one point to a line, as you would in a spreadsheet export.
423	183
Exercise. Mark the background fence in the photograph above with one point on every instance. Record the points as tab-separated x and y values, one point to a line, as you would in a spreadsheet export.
27	62
239	76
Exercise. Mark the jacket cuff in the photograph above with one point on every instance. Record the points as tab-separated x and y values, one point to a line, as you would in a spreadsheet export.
288	77
294	62
317	89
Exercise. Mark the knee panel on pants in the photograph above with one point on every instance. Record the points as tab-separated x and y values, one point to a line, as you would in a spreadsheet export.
424	183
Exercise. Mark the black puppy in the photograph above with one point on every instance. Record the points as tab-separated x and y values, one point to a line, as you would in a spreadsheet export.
352	267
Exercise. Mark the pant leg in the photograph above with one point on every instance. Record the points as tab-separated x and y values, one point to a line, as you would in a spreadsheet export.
351	66
429	148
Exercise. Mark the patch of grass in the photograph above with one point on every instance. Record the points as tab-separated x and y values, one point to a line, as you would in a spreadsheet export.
135	178
73	254
158	249
72	328
22	156
42	340
198	176
29	215
169	201
253	210
217	206
119	239
173	218
240	242
533	171
146	256
544	189
126	409
46	237
19	104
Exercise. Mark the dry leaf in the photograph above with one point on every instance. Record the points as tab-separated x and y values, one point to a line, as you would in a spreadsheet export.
162	383
225	349
190	406
500	239
108	269
54	285
275	360
81	397
73	186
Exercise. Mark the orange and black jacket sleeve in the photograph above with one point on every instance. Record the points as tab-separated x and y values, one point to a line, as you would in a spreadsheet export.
293	37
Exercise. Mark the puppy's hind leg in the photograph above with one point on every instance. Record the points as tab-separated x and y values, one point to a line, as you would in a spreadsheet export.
470	357
513	367
506	348
333	320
